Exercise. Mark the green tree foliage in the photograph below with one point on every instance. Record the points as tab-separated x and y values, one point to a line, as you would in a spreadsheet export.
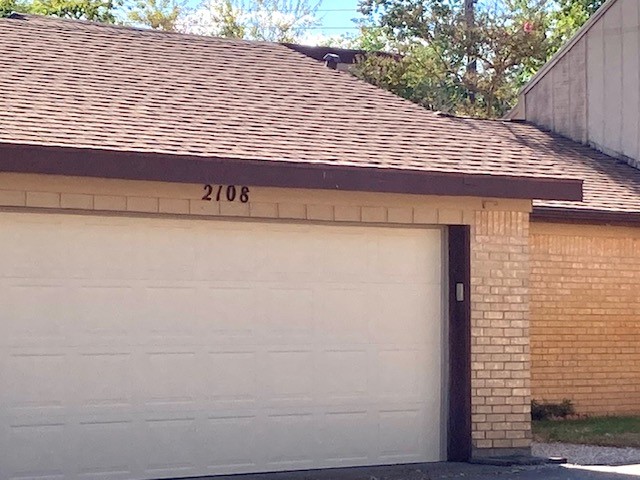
7	7
96	10
507	42
569	17
156	14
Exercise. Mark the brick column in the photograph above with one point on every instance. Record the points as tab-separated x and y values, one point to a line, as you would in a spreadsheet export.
500	355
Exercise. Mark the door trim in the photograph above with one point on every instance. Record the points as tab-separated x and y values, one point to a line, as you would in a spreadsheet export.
459	422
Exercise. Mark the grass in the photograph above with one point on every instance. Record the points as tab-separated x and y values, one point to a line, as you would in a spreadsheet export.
604	431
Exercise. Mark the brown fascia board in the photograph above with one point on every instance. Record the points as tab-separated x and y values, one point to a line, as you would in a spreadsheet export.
162	167
584	216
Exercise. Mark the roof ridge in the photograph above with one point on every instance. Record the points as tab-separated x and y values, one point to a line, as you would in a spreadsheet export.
130	28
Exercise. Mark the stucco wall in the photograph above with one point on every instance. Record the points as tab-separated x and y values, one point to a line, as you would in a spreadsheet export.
585	312
500	263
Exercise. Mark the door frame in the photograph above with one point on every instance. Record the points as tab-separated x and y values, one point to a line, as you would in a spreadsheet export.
459	448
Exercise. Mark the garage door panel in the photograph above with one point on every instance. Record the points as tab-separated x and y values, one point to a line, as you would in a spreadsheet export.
337	303
168	448
289	257
167	348
401	256
226	311
100	309
397	379
232	376
288	312
348	437
118	258
36	451
159	241
291	440
399	314
165	377
105	449
242	262
399	440
350	259
35	309
287	378
350	374
229	443
167	311
113	387
34	380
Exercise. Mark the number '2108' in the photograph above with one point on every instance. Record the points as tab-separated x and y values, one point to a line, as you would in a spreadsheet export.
221	192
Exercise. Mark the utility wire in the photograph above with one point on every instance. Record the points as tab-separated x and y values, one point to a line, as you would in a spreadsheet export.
332	28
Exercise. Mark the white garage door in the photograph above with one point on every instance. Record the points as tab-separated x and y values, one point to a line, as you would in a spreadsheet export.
150	348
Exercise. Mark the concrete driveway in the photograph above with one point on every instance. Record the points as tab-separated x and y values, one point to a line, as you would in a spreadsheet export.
444	471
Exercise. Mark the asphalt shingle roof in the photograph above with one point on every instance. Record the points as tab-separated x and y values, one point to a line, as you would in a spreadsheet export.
610	184
81	84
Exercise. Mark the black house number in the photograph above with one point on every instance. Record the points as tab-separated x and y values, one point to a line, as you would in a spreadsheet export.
230	193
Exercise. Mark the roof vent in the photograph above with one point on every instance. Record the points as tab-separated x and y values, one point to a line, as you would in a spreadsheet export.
331	60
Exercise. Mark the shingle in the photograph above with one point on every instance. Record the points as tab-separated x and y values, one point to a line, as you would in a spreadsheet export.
81	84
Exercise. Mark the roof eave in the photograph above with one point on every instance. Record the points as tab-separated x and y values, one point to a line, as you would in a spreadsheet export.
584	216
150	166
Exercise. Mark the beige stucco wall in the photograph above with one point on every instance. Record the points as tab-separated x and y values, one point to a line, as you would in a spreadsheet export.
585	307
592	93
499	270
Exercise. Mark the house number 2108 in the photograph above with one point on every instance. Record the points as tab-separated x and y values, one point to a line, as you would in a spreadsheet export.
230	192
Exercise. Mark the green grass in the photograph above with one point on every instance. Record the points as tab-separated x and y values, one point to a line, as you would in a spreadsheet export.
604	431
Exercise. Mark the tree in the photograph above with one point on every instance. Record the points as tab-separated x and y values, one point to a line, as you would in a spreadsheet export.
266	20
570	16
95	10
163	15
451	64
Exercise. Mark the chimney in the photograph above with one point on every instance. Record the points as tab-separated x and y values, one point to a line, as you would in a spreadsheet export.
331	60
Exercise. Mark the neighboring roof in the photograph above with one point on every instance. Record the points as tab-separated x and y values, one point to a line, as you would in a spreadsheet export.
582	31
611	186
347	55
212	106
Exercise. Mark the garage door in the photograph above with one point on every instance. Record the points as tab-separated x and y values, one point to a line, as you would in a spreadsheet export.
152	348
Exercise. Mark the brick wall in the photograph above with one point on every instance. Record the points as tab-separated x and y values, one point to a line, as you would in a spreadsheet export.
500	263
501	402
585	316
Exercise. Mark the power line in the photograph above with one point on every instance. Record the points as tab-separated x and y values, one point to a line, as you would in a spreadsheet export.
355	10
332	28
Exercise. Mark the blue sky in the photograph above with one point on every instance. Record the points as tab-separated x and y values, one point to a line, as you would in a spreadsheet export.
335	19
335	16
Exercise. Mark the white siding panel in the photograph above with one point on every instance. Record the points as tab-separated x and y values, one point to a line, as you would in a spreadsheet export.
595	84
591	93
540	103
577	59
612	24
630	77
561	96
558	100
